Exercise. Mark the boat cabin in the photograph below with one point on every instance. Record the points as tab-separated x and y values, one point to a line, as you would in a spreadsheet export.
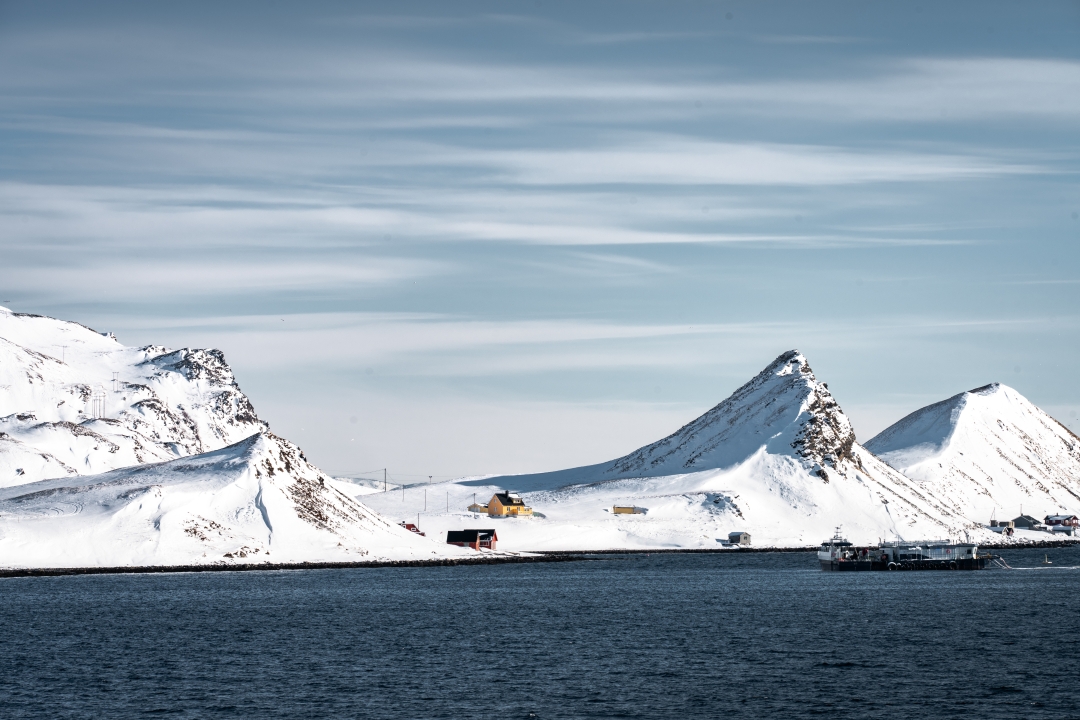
939	550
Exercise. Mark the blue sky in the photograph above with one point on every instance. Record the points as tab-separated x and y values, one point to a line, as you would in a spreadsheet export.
495	237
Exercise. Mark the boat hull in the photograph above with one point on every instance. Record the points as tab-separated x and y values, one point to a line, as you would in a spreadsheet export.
867	565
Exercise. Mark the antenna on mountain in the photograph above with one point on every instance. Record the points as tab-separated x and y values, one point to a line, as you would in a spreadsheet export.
115	381
384	479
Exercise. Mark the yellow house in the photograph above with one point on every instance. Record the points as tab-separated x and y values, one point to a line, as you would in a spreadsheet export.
628	510
478	508
508	504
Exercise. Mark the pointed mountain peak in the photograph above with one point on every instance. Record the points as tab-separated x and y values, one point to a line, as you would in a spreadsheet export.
783	408
986	389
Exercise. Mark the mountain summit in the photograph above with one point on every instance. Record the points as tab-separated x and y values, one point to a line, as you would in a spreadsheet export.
784	409
74	401
987	450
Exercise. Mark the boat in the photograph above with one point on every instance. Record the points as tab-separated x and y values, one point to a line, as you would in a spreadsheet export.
837	554
1047	560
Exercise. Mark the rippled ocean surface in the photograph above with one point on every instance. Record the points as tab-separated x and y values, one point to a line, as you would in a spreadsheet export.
627	636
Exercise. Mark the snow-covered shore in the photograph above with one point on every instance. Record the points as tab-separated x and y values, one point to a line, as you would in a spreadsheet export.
145	457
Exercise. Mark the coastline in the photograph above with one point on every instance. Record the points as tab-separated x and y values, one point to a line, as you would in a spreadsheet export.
545	556
250	567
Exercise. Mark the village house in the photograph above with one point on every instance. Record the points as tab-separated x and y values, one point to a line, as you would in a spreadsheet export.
478	508
475	539
1026	522
1066	524
628	510
738	538
508	504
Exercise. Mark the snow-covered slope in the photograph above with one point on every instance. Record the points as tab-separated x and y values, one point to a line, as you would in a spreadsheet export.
167	464
62	414
987	450
777	459
258	500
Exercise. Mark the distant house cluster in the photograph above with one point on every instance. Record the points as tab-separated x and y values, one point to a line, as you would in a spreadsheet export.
1065	524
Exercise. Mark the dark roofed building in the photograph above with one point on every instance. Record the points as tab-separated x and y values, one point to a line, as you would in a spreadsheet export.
475	539
1067	524
1026	522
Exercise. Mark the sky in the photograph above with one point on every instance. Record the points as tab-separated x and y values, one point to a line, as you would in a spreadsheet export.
483	237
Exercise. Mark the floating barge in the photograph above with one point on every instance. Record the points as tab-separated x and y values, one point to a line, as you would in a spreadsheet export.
837	554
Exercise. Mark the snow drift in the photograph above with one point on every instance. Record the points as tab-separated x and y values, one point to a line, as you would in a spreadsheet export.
987	450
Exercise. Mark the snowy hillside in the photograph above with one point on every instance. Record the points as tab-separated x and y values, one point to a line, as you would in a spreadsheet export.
62	414
116	456
258	500
778	459
987	450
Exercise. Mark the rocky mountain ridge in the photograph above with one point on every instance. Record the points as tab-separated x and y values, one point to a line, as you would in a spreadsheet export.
76	402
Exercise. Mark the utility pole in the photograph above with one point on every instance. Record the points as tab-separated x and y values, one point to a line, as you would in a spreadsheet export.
447	501
425	499
384	479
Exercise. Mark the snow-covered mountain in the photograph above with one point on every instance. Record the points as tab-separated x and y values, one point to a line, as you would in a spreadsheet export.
116	456
987	450
258	500
62	413
778	459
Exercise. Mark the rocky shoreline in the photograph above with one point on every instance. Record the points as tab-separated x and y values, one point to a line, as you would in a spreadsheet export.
246	567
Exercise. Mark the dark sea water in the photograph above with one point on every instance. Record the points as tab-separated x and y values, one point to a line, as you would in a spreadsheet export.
660	636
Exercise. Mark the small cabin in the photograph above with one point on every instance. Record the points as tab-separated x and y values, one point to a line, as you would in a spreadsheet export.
738	538
475	539
628	510
1026	522
412	528
1002	524
508	504
478	508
